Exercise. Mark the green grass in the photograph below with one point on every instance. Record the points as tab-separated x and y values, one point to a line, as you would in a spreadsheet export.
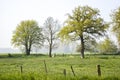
33	67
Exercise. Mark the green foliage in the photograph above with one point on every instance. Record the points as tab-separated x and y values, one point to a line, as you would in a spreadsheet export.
107	47
27	35
84	20
116	23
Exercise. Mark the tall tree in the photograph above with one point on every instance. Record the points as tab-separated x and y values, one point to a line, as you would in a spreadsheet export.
51	27
27	34
85	22
116	24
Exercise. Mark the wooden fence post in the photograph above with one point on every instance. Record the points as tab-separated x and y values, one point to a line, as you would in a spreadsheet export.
45	67
98	70
64	72
21	69
72	70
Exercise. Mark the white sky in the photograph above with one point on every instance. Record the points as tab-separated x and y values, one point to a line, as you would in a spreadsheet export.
12	12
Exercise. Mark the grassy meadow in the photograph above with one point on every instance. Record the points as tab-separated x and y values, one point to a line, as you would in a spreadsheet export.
33	67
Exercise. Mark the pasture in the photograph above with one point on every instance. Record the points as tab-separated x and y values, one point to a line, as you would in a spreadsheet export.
41	67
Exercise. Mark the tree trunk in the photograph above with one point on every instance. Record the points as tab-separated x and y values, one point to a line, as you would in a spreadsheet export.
50	47
27	52
82	46
50	50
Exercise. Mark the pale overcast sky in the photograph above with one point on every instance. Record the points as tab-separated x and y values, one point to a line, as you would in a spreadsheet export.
12	12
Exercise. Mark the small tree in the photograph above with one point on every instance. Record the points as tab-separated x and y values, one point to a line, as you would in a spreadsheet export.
116	24
51	27
107	47
83	23
27	34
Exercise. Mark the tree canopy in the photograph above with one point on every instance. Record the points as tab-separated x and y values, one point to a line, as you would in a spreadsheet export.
85	22
107	47
27	35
